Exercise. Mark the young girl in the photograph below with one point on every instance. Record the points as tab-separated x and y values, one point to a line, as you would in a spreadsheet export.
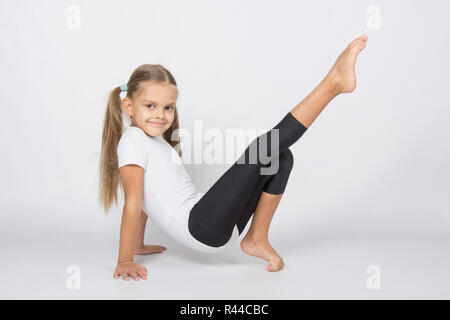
143	159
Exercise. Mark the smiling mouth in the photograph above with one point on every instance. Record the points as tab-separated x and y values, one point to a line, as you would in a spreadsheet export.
157	123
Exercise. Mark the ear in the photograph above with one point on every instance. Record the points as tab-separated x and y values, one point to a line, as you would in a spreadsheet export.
127	107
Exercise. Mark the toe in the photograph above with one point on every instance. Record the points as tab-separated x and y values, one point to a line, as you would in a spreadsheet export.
361	43
360	40
363	37
275	265
355	49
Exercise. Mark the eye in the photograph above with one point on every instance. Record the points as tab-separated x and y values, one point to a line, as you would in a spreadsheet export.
150	105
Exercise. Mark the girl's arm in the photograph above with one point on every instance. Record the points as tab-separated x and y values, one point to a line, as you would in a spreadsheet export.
128	231
140	247
141	231
132	177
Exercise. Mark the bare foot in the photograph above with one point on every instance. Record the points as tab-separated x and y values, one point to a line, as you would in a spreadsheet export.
262	249
342	73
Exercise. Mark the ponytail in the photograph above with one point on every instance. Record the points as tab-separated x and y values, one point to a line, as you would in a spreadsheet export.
112	131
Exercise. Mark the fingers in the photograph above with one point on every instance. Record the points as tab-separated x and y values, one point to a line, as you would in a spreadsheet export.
162	248
143	274
135	272
125	276
134	276
151	249
143	270
157	247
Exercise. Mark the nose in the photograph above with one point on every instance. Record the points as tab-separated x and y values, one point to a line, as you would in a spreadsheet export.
160	114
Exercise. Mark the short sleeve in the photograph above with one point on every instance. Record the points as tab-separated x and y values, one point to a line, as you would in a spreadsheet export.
130	149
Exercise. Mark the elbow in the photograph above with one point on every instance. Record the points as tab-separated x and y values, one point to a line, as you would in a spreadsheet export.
133	205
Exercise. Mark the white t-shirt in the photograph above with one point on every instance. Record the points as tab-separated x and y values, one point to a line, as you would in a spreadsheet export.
168	190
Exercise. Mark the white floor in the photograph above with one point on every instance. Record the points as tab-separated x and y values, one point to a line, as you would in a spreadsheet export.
316	267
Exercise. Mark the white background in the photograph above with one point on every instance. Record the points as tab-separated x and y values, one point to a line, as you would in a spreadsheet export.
374	163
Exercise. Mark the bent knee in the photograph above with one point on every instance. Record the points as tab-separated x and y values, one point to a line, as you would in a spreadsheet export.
287	159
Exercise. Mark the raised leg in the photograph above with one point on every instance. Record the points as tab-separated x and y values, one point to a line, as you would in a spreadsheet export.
340	79
213	218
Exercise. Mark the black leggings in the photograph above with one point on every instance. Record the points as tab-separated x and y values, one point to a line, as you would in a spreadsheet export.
233	198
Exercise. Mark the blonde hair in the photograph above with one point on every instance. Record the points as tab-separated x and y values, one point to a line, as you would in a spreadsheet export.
113	127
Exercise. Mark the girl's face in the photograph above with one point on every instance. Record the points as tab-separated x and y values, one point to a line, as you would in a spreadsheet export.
153	110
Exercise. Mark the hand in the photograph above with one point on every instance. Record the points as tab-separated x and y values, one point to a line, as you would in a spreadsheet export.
149	249
129	268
